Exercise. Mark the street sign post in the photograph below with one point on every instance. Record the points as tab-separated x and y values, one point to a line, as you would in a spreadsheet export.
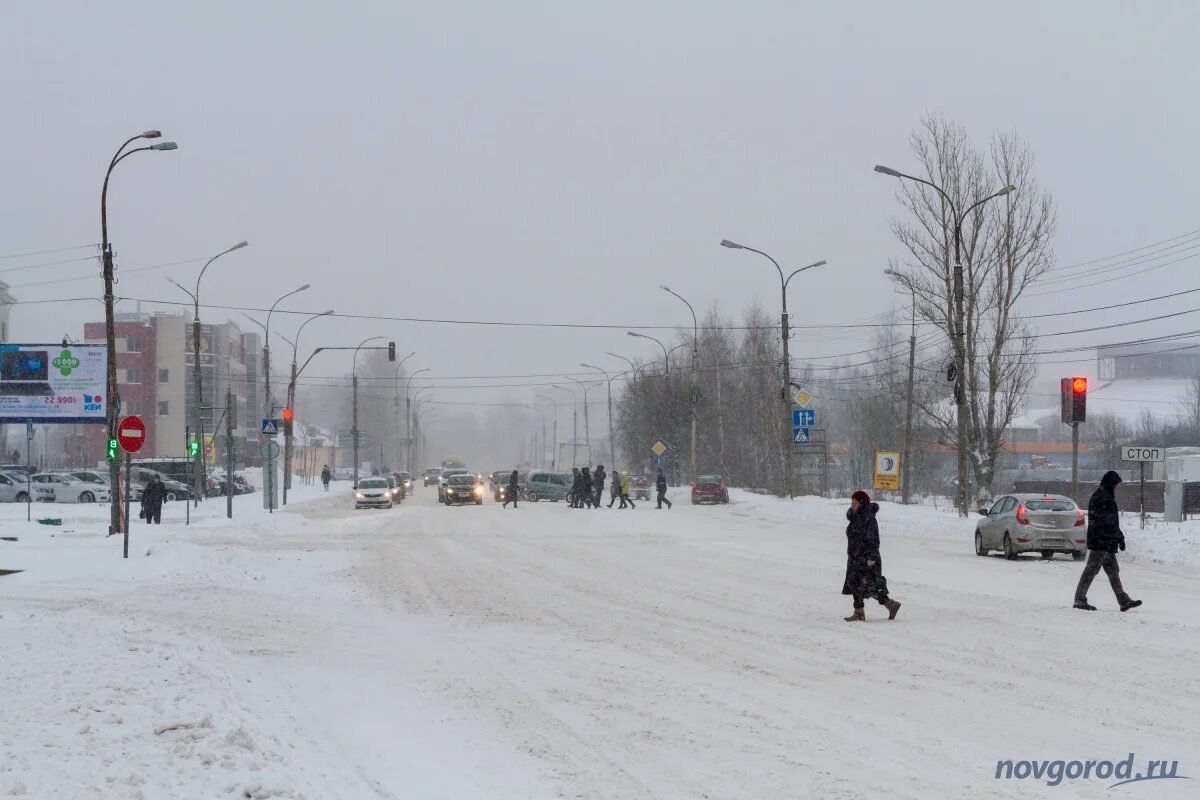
1142	456
131	435
887	470
659	448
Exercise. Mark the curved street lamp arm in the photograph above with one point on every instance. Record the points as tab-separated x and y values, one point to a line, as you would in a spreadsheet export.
301	330
766	256
354	361
1006	190
802	269
189	294
237	246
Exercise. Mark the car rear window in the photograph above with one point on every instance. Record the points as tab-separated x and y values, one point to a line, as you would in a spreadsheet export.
1049	505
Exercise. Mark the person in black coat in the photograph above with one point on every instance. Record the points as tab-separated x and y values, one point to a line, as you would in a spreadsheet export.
585	488
864	566
514	489
660	487
598	479
326	476
152	500
1104	539
576	487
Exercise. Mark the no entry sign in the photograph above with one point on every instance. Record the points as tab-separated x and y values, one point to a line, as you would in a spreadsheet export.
131	434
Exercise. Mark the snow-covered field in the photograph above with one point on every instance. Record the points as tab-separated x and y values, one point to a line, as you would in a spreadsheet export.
470	652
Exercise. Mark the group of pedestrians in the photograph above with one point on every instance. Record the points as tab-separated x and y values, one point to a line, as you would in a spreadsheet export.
864	565
587	489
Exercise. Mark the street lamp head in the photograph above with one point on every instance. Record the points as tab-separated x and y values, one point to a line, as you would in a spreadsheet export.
151	134
239	245
164	146
734	245
892	272
817	264
1007	190
309	286
631	333
882	170
664	288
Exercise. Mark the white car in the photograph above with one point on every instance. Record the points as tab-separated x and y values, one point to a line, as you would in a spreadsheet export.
69	489
14	489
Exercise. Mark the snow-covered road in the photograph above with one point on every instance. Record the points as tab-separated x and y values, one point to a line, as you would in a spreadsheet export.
545	652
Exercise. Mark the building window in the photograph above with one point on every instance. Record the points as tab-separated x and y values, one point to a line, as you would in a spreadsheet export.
133	375
164	376
133	344
128	407
163	408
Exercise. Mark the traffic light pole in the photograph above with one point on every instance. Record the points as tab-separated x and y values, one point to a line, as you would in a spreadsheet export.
229	422
187	507
1075	461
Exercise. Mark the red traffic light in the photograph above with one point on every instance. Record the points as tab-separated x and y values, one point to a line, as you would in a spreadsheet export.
288	414
1079	385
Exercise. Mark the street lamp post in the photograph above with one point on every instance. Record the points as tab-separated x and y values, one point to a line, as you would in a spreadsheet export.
612	442
288	435
197	418
959	332
786	392
905	468
695	367
629	361
408	426
587	429
574	417
666	354
354	383
554	447
110	324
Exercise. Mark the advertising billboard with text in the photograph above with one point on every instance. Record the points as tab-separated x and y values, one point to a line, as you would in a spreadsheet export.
49	383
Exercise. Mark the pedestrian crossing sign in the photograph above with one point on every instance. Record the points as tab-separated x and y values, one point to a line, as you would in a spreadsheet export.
270	427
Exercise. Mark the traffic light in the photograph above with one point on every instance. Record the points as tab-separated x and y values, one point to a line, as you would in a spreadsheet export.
112	449
391	351
1074	400
193	449
288	417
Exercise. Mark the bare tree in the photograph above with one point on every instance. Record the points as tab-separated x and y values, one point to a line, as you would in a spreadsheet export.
1006	245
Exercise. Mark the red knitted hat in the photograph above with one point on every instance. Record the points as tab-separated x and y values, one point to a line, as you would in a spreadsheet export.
862	497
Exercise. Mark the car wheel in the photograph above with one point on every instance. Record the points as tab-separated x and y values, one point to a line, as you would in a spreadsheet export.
533	497
980	550
1078	556
87	497
22	497
1047	554
1009	552
389	505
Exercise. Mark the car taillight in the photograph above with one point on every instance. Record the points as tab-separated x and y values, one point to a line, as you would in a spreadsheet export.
1022	515
1080	519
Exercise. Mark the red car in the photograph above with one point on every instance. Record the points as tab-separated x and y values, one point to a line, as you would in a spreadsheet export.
709	489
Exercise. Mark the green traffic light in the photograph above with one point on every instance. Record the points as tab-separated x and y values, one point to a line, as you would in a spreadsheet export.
112	449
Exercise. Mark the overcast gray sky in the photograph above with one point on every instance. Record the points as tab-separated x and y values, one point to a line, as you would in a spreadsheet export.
557	161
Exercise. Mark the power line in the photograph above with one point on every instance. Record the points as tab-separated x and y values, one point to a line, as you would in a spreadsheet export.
48	252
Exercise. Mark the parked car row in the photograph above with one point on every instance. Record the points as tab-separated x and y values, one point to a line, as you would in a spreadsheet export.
92	486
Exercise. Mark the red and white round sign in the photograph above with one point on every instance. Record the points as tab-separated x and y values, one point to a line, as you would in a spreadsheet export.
131	434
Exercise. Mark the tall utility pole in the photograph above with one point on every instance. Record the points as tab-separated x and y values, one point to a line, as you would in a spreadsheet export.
354	384
905	467
785	336
408	427
113	410
612	441
959	329
554	446
574	415
288	433
695	368
587	430
230	423
197	418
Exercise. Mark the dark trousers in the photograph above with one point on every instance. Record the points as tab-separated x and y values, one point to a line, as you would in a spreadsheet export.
154	514
616	496
326	485
1097	560
597	496
627	499
662	498
510	497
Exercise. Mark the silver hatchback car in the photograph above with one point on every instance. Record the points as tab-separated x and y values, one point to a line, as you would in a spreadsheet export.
1032	523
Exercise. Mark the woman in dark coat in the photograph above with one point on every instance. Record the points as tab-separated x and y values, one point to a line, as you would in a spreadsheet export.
864	566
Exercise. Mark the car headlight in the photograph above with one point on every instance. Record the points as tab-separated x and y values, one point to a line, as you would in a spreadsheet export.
360	495
479	490
449	491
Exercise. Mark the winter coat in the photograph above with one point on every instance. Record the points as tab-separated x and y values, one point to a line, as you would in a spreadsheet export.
153	495
326	475
625	484
862	545
514	484
1104	518
660	483
585	481
598	479
616	485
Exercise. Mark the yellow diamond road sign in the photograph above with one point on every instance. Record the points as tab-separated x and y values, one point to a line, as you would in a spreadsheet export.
659	448
803	398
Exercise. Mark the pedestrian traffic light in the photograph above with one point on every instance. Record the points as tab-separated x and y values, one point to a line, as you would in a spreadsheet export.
391	351
112	449
288	415
1074	400
193	449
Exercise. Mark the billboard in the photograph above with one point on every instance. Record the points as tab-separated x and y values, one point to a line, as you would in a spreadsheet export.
49	383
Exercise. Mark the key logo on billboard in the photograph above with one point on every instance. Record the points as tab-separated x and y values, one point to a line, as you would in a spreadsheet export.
91	402
65	363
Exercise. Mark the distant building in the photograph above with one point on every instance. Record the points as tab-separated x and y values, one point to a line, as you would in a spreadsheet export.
1135	361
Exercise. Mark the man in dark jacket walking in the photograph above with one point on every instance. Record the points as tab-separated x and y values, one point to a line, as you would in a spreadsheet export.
585	488
615	491
1104	538
598	478
326	476
660	485
152	500
576	487
864	566
514	489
